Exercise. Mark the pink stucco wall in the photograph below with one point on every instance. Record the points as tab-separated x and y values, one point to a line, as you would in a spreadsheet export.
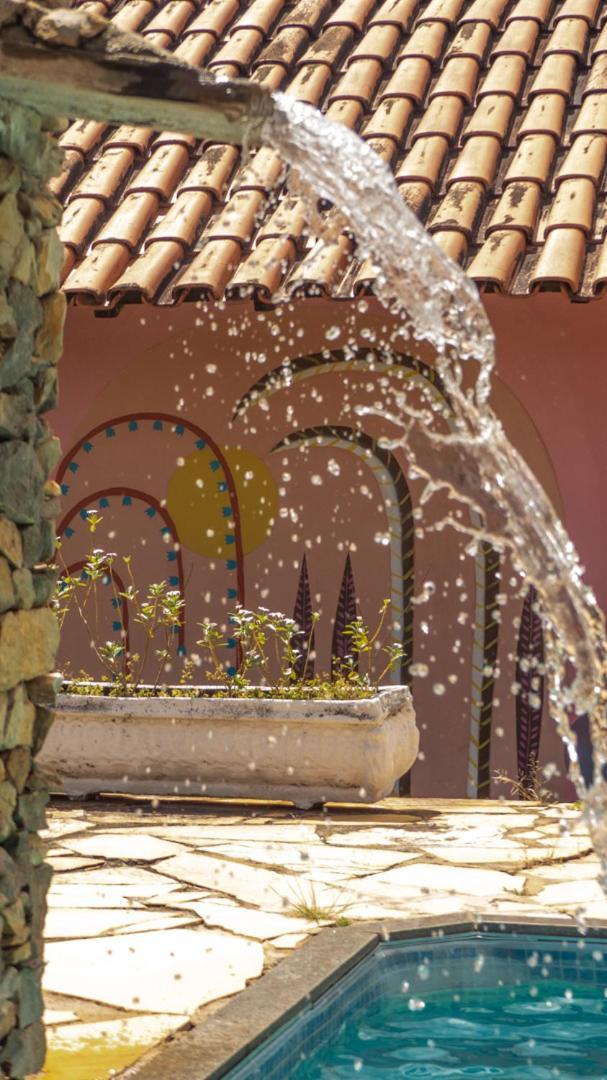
196	362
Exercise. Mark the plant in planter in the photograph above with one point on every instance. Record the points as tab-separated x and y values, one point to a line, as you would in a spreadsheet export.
268	729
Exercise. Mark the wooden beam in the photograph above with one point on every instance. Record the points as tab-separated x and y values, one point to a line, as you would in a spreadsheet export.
76	64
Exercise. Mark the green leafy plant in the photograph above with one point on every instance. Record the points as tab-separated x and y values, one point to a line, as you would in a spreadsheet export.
269	647
158	611
273	656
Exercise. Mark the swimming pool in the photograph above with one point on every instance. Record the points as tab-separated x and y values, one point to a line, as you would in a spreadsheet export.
476	1004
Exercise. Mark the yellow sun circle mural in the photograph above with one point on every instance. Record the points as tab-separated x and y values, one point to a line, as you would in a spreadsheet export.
199	503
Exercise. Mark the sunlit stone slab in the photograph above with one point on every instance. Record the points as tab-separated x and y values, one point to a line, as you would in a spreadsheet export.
289	833
571	894
262	925
486	855
175	971
343	861
65	826
264	888
105	1048
289	941
52	1017
429	878
577	870
63	923
396	907
63	863
117	875
381	836
135	845
84	895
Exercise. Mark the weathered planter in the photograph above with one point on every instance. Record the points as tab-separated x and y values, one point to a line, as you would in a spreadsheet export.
306	752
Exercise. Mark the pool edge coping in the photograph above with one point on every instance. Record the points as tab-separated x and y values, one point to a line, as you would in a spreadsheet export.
208	1050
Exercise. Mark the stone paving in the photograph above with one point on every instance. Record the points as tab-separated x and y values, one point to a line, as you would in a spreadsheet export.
155	917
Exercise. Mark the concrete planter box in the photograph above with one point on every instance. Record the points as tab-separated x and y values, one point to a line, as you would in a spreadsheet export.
306	752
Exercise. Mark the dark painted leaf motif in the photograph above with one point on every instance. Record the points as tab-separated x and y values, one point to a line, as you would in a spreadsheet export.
347	611
530	679
302	614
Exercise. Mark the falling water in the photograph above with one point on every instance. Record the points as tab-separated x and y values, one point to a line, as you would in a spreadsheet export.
475	463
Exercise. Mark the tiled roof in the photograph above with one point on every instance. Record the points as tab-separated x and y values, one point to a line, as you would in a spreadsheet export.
491	113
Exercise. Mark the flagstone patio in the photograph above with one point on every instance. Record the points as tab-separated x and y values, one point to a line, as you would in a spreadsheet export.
156	916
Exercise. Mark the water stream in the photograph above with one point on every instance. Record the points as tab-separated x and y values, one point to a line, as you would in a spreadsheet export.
474	461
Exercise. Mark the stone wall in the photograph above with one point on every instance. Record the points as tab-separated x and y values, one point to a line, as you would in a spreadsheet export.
31	324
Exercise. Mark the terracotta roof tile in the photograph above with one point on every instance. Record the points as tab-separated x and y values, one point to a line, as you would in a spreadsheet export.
581	9
238	218
183	220
161	172
458	77
471	40
91	280
265	268
80	222
319	271
128	223
418	196
489	11
272	76
346	111
519	39
133	15
410	80
505	76
561	260
495	263
149	272
359	82
285	47
83	136
600	45
212	171
533	160
568	36
477	161
531	9
600	275
555	76
310	83
307	15
287	220
378	43
172	18
573	206
586	158
492	116
239	50
397	13
209	272
351	13
446	11
491	113
442	117
426	42
544	116
213	18
518	208
107	174
425	160
391	118
454	244
460	207
592	115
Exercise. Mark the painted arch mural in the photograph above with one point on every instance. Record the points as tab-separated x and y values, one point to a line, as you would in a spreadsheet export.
241	502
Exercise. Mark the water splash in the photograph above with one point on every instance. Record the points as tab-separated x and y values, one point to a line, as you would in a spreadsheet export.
475	462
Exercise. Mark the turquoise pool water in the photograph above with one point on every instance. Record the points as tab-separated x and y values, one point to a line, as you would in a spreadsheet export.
471	1005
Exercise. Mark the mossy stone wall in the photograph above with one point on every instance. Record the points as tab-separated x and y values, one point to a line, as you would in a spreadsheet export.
32	312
